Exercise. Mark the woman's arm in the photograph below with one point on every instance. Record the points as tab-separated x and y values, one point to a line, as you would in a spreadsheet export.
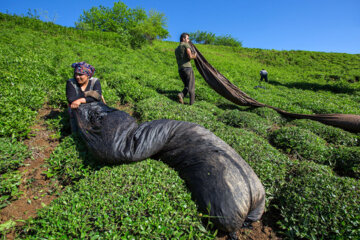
76	103
74	99
71	95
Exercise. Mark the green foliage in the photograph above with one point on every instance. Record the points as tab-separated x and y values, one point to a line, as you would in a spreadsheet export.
247	120
347	161
116	19
315	204
131	90
33	14
331	134
134	25
270	115
17	107
302	143
9	183
154	26
146	200
12	156
204	37
227	40
161	108
70	161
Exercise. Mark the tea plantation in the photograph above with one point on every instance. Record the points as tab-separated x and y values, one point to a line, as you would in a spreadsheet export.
310	170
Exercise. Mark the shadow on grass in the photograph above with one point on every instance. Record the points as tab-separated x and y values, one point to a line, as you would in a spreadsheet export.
315	87
270	219
59	120
171	94
232	106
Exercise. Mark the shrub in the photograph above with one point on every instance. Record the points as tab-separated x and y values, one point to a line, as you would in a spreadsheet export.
315	204
9	187
12	154
132	91
247	120
227	40
347	161
301	142
270	115
331	134
145	200
209	107
162	108
70	161
204	37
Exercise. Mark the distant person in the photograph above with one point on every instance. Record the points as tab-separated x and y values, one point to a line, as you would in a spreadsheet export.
83	88
264	75
183	56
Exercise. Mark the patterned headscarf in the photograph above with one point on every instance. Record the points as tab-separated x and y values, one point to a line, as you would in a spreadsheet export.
83	68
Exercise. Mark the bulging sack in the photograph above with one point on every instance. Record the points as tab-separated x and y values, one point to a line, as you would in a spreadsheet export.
222	184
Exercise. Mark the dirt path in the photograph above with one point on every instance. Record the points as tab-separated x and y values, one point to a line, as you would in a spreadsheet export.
38	191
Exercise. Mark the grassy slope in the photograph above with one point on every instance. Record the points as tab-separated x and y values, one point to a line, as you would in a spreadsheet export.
299	168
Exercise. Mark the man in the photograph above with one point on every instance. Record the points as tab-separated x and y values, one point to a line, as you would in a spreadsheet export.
263	75
183	56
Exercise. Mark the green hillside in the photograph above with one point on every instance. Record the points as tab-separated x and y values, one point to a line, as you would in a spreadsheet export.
310	170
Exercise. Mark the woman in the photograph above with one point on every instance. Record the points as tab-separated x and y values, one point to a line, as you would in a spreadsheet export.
83	88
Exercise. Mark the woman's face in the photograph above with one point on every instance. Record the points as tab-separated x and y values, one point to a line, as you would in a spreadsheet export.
81	78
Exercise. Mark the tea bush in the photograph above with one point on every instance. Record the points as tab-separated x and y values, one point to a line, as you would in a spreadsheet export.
331	134
347	161
9	183
316	204
12	156
162	108
70	161
270	115
247	120
301	143
146	200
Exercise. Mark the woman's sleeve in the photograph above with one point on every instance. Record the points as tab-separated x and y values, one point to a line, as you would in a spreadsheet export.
71	93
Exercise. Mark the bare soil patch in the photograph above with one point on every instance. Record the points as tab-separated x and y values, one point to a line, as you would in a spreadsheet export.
258	231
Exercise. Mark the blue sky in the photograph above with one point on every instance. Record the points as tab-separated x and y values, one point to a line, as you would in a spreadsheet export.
313	25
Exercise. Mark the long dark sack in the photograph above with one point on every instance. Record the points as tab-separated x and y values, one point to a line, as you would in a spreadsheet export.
222	184
225	88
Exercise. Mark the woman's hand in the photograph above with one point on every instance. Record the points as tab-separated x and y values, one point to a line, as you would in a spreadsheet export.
76	103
